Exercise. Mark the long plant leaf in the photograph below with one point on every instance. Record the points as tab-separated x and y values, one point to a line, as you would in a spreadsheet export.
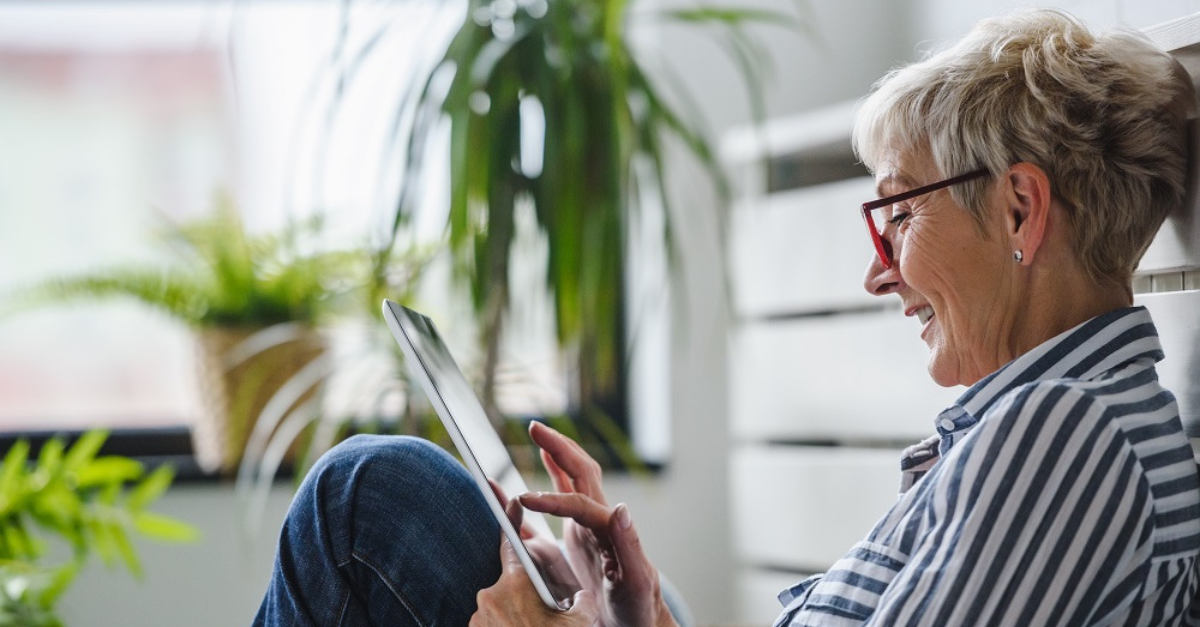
729	16
171	292
84	449
151	488
604	122
164	528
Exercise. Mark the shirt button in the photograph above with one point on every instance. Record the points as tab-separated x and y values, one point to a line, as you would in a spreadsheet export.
947	424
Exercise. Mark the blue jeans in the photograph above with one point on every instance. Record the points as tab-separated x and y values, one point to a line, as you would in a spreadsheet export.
386	530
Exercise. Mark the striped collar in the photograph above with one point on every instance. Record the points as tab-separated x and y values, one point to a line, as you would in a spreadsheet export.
1084	352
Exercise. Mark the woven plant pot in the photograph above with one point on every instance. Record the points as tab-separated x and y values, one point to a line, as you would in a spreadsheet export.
234	395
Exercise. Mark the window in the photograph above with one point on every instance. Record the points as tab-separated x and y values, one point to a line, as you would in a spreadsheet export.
119	116
110	124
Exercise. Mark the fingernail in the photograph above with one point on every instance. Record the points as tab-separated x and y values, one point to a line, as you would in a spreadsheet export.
623	516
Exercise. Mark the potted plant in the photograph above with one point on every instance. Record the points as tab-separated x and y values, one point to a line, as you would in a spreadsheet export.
566	67
254	302
91	503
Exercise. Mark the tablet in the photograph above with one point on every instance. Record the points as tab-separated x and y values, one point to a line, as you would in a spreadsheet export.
482	451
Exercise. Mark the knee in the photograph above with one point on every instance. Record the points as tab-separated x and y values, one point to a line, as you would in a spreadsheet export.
369	491
364	460
370	484
387	472
382	449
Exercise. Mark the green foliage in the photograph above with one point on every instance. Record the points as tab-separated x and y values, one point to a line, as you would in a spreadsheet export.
90	503
224	276
566	66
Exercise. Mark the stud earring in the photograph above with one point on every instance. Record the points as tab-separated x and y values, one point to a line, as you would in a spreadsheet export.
1018	256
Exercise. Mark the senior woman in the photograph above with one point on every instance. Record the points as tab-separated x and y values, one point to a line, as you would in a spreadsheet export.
1024	173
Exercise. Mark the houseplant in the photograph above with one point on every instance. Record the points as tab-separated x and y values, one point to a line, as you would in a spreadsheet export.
91	503
254	301
565	67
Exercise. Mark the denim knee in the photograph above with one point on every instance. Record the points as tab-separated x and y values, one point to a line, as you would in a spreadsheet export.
393	520
368	483
399	453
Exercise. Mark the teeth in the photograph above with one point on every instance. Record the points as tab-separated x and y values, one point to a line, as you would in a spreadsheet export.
924	314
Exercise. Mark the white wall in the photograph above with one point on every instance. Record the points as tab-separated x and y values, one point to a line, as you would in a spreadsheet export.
948	19
851	44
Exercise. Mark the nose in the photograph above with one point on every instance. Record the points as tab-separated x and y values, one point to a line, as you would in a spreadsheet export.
879	280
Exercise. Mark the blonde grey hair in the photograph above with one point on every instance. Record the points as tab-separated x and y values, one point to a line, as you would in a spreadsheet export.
1104	116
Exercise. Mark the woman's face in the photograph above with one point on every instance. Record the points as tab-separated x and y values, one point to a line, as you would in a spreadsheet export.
952	277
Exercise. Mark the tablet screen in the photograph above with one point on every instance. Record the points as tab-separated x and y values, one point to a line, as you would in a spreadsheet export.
481	448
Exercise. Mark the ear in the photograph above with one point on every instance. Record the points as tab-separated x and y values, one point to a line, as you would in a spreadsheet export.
1027	212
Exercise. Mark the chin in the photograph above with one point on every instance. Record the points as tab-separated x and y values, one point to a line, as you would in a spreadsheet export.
941	372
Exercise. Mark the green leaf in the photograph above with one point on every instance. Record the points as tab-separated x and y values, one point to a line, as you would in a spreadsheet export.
164	528
51	456
109	494
60	580
17	543
11	476
103	542
151	488
731	16
223	276
174	293
125	550
85	449
58	507
110	470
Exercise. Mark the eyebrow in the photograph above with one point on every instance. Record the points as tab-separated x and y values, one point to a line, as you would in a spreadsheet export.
896	178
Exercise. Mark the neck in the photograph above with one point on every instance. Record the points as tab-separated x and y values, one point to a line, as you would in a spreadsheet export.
1061	296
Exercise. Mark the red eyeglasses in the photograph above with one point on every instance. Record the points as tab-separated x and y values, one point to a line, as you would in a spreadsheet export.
877	221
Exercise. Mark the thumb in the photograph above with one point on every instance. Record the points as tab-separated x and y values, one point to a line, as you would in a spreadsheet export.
508	557
584	609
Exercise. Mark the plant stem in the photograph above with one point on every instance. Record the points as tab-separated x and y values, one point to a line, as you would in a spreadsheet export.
493	327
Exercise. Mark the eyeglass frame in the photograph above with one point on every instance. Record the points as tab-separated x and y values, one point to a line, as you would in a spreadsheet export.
885	255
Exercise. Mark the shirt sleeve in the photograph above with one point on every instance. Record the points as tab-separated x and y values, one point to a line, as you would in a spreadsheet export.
1043	517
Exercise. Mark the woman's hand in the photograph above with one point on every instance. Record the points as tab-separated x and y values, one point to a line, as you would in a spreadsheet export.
602	544
545	550
513	601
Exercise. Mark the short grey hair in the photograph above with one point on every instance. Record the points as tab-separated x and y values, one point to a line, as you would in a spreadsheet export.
1103	115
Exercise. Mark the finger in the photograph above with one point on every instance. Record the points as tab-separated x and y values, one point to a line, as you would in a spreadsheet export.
497	490
516	514
560	480
578	507
512	509
632	566
508	557
571	458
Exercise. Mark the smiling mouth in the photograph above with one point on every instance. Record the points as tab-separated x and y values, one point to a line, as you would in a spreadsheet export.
924	314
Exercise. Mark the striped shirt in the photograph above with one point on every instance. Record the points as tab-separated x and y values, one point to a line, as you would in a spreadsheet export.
1060	490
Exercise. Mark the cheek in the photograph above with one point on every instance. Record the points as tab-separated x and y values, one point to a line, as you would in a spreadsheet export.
923	260
942	272
942	257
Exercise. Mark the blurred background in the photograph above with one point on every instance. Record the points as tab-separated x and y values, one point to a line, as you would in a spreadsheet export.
123	125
